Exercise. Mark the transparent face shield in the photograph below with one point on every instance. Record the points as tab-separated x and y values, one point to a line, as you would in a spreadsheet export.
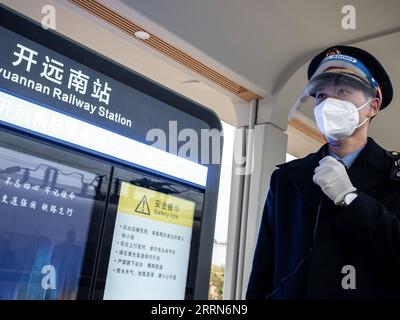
341	86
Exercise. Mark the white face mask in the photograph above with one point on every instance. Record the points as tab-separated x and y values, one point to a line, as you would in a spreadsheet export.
338	119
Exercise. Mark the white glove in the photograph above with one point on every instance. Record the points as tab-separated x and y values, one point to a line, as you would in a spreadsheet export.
333	179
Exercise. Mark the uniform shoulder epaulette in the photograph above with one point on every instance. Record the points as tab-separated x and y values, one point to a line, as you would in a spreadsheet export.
395	165
393	154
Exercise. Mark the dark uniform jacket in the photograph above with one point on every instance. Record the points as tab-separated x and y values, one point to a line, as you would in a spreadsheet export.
297	258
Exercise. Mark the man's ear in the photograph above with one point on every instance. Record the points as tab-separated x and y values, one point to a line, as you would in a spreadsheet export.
375	107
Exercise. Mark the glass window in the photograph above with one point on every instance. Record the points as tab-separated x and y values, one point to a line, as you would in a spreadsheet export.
221	225
46	214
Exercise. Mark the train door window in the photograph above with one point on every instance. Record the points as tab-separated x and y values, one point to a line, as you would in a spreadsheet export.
52	204
151	238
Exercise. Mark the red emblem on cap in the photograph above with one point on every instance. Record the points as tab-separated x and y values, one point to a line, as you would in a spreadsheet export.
332	52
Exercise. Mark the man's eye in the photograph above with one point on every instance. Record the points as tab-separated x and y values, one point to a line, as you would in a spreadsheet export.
342	92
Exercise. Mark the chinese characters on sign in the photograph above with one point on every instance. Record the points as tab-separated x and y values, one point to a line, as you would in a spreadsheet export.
136	259
11	199
53	71
65	82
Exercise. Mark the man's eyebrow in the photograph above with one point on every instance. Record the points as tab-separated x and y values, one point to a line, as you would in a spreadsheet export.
319	88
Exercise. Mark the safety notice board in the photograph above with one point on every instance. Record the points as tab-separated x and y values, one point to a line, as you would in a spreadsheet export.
151	245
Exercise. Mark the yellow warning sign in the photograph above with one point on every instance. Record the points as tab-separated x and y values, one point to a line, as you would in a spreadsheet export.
146	203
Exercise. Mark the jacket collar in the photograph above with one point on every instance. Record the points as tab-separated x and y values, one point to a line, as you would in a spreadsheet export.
371	167
368	170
